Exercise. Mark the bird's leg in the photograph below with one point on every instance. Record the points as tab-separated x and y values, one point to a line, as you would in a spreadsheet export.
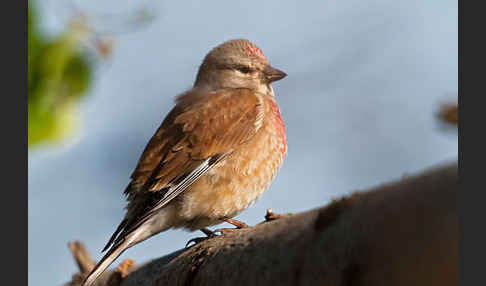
237	223
207	232
211	234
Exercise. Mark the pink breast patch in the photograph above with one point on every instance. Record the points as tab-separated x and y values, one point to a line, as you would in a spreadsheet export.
279	124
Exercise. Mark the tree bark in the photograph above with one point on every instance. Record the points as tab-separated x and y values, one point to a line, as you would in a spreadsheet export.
401	233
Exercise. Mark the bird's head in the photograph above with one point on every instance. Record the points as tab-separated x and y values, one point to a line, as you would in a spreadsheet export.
237	64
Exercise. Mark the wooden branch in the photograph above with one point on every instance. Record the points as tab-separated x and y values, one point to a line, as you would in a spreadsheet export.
83	258
402	233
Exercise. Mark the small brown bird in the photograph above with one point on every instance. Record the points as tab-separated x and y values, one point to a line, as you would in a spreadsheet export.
214	155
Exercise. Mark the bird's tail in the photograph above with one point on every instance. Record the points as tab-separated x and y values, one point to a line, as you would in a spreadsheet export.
115	251
110	256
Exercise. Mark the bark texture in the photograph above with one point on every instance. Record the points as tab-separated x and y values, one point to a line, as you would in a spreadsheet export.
402	233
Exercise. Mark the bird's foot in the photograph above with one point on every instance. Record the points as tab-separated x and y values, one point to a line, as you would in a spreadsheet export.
237	223
209	234
224	231
196	240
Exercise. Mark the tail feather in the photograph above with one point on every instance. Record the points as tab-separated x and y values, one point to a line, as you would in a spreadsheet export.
138	233
114	252
115	234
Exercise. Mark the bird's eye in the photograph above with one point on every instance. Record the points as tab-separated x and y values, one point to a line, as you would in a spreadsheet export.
244	69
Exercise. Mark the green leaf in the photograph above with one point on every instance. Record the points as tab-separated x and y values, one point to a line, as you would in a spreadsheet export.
59	75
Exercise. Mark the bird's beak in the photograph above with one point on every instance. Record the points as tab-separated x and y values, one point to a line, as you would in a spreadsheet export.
272	74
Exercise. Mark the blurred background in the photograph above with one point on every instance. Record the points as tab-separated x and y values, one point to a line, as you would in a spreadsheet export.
362	103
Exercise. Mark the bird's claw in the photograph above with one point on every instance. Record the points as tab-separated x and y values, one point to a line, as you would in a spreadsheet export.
209	234
224	231
196	240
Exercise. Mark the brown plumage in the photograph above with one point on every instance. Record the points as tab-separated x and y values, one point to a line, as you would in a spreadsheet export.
215	153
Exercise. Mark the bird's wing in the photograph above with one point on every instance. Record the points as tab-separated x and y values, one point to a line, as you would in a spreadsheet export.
201	130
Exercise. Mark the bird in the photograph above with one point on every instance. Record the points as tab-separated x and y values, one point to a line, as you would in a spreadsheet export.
215	153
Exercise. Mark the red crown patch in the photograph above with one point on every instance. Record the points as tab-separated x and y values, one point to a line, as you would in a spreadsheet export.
255	51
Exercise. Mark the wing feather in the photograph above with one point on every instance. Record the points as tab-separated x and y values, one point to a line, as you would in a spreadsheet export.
200	131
